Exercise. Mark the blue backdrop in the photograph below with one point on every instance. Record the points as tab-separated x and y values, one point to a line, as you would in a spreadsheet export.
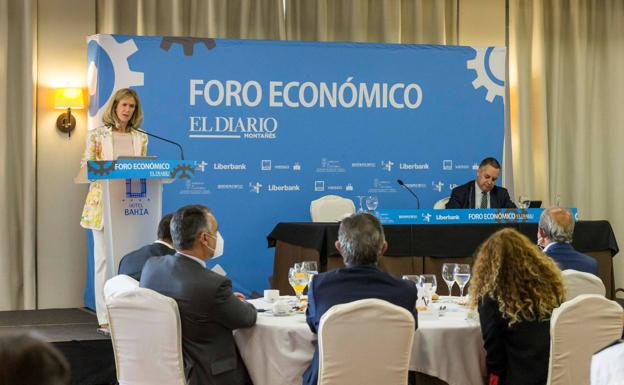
273	125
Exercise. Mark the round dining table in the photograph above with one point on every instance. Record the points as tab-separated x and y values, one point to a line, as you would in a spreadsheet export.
447	345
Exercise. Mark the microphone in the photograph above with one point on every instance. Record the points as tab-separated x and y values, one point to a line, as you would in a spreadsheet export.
399	181
164	139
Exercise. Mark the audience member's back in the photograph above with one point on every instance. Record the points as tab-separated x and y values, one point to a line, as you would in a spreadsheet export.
26	360
361	242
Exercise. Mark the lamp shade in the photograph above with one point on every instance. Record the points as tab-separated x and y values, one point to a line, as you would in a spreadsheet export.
70	97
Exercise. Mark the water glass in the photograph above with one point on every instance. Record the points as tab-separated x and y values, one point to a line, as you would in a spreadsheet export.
413	278
461	274
371	203
311	268
360	208
448	270
427	286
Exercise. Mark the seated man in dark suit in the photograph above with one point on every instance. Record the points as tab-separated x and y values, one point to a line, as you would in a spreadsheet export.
554	234
361	242
132	263
481	193
209	310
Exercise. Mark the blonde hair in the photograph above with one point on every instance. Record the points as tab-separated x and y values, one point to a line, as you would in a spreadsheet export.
109	117
510	269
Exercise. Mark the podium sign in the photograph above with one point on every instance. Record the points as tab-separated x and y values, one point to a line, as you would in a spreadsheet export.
132	196
460	216
139	168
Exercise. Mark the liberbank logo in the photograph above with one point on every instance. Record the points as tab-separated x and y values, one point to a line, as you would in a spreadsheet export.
232	127
229	166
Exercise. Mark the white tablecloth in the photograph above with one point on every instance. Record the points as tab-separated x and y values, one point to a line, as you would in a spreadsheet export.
277	350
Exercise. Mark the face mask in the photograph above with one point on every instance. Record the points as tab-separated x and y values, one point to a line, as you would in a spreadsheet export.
218	250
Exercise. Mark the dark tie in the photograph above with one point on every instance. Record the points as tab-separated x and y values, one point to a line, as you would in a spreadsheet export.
483	200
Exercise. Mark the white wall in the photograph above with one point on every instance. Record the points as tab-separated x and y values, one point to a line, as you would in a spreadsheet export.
61	245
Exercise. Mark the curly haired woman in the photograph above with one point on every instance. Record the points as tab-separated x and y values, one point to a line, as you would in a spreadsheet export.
515	288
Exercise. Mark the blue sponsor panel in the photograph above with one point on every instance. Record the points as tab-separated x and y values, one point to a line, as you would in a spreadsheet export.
460	216
274	125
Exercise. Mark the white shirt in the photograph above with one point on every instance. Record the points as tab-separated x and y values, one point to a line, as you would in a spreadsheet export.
166	244
194	259
478	192
548	246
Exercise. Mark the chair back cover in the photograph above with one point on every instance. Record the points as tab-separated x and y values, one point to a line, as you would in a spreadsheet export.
331	208
441	204
578	329
579	282
119	283
365	342
146	336
607	366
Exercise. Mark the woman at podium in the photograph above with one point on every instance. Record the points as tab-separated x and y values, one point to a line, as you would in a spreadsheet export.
115	138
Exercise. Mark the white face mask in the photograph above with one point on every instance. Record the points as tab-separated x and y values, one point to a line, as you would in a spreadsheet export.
218	251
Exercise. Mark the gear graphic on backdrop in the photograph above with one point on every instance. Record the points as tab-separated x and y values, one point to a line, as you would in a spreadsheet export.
102	167
488	64
124	77
187	43
185	172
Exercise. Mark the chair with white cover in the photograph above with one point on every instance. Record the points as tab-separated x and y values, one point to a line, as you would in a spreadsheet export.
578	329
119	283
365	342
331	208
607	366
579	282
146	336
441	204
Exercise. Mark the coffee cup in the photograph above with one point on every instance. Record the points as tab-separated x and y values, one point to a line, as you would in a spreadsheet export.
271	295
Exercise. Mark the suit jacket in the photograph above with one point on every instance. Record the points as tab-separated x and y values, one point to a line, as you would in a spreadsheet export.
517	354
132	263
463	197
348	285
209	312
568	258
100	147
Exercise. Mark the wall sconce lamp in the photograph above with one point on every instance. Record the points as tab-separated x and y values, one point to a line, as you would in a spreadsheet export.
67	98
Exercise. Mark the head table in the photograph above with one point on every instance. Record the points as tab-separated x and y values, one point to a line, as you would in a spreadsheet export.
278	349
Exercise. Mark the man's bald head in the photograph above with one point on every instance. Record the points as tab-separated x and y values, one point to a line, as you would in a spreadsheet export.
556	224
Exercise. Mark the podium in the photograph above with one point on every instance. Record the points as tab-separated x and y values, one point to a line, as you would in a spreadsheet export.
132	203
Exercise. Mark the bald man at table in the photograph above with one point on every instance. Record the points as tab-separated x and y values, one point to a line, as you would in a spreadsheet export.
361	242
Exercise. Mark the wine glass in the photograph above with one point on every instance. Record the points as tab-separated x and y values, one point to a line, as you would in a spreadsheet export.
360	208
311	268
448	276
413	278
298	279
429	281
428	284
461	274
371	203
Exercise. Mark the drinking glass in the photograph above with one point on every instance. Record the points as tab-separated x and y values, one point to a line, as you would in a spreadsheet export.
427	286
360	208
298	279
413	278
448	276
429	281
311	268
371	203
461	274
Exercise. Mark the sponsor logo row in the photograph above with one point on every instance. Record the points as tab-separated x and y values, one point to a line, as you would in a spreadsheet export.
378	186
331	166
